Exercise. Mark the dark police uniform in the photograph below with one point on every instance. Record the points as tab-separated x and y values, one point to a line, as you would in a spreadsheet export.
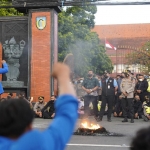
108	95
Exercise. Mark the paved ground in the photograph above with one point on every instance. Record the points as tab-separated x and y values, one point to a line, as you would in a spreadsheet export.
102	142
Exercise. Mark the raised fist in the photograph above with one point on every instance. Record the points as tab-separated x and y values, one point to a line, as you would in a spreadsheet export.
3	61
60	70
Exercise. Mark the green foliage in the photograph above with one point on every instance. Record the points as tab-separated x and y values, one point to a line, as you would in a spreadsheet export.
76	37
83	15
8	11
141	58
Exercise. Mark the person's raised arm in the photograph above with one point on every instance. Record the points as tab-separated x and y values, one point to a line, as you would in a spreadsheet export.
62	73
5	67
62	127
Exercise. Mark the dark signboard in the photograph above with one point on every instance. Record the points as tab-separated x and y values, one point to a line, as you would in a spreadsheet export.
14	40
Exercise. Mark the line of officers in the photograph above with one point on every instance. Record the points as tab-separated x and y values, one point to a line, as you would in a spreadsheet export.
123	89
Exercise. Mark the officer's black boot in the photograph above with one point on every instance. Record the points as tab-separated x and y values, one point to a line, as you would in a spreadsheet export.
125	120
132	120
109	119
99	119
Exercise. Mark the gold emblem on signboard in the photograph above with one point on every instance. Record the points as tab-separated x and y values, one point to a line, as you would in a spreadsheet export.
41	22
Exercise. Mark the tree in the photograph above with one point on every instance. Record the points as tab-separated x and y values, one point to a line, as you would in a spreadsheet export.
8	11
76	37
141	57
83	15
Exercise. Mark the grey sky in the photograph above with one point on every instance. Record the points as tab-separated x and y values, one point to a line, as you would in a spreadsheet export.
122	14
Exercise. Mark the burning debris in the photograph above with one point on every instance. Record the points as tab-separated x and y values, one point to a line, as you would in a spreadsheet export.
88	129
91	126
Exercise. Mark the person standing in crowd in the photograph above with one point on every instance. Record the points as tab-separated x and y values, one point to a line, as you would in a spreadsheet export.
131	74
48	112
90	86
80	92
81	107
109	88
39	106
2	71
118	79
127	94
99	90
16	132
141	87
118	107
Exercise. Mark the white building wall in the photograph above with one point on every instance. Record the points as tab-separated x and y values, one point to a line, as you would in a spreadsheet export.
135	68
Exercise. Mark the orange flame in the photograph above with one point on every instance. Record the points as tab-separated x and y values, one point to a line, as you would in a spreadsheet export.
91	126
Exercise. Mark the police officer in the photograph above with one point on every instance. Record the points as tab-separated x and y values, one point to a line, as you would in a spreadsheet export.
127	94
131	74
109	88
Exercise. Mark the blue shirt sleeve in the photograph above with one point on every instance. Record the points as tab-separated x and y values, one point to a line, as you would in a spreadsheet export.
56	136
64	123
115	83
4	69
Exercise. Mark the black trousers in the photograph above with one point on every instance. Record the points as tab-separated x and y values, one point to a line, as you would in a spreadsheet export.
47	115
139	113
99	98
118	107
87	100
142	96
109	100
117	98
127	107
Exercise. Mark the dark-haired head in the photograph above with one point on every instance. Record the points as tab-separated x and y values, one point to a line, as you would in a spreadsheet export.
129	71
53	97
141	75
21	95
141	140
16	118
90	73
147	99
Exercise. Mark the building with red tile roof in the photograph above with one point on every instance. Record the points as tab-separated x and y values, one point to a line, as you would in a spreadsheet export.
126	38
